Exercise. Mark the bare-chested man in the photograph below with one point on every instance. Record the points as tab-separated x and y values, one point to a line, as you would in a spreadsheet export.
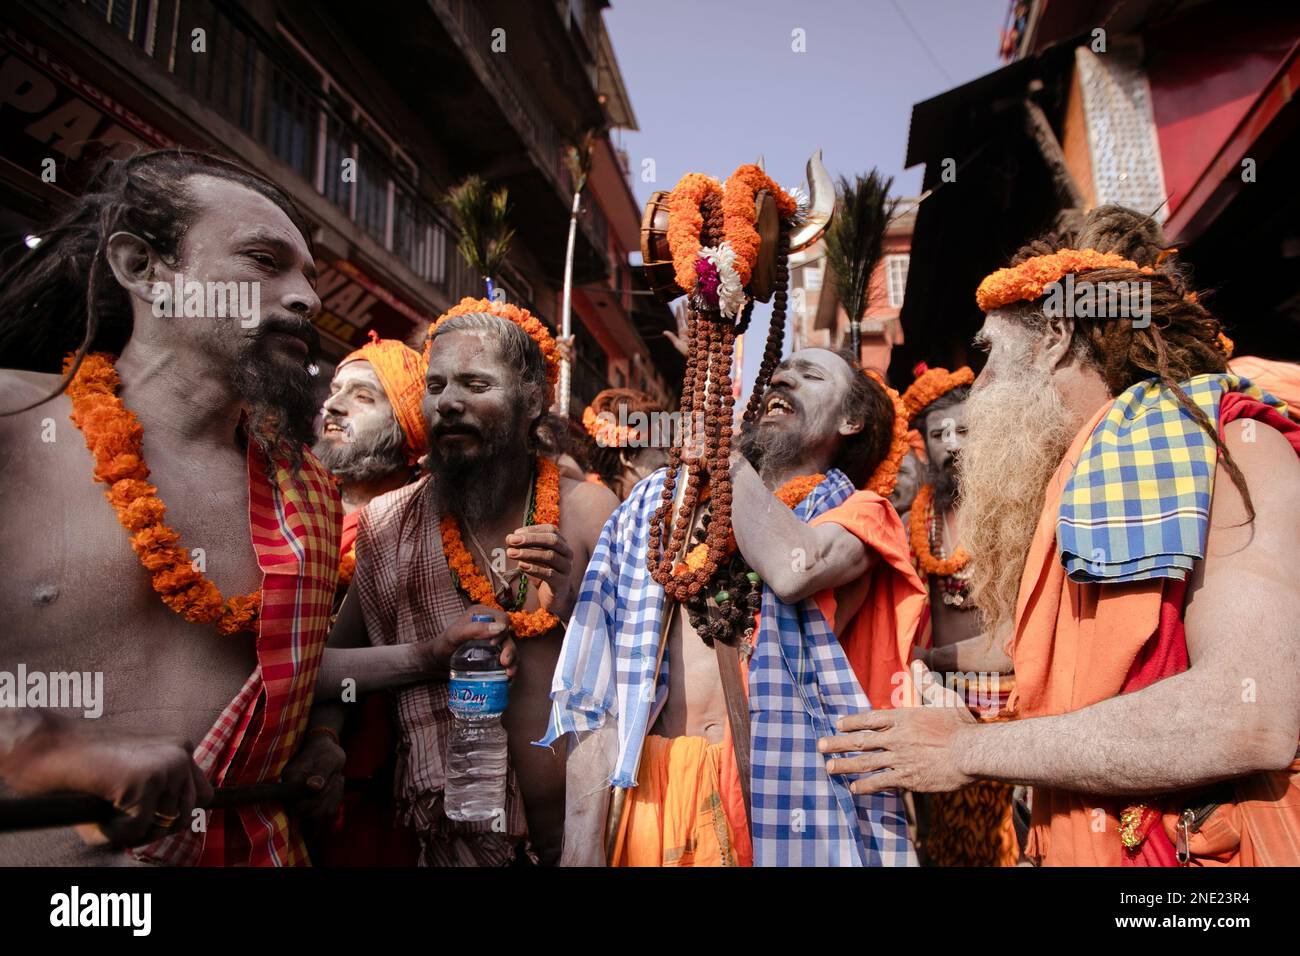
839	605
224	406
490	480
1130	508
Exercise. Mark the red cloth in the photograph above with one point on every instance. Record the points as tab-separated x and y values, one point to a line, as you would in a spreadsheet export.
349	531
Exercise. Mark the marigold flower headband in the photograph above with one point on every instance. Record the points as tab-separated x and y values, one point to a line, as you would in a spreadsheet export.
1026	281
536	330
931	385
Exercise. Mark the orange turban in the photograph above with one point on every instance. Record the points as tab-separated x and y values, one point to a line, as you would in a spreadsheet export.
401	372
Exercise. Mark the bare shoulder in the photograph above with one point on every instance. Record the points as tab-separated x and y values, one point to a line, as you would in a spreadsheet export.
19	388
1272	472
588	506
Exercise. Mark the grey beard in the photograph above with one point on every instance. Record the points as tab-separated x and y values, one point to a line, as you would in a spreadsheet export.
365	460
775	453
1018	431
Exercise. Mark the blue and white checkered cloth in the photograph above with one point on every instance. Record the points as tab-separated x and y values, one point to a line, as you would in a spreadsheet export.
1138	503
800	684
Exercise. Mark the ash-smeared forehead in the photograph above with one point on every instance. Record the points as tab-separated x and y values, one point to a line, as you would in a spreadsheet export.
817	360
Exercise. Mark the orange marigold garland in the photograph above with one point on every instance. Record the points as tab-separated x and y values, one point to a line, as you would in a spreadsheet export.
931	385
347	567
1026	281
885	477
685	222
535	328
606	433
739	214
115	438
546	510
919	533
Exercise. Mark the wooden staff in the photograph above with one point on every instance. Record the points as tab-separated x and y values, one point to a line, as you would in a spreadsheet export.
71	809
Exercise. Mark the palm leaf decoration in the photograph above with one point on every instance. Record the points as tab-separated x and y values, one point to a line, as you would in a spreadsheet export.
480	217
855	240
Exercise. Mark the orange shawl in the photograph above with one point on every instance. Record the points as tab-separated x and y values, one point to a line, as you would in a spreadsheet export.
1075	645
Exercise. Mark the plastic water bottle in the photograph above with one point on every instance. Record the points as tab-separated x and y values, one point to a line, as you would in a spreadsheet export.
476	762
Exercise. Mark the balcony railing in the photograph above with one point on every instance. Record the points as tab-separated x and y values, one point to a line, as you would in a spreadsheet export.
268	91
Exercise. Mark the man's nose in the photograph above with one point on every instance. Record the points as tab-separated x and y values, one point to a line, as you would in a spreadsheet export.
301	299
334	406
783	378
450	403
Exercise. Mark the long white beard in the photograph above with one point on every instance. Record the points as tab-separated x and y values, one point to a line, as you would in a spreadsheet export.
1017	431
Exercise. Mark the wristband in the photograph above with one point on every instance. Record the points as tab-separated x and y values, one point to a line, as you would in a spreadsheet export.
327	731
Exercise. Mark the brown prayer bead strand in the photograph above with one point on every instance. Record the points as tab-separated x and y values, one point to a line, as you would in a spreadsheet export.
675	526
776	328
663	517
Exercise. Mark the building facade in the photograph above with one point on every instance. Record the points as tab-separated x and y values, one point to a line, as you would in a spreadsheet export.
820	318
366	115
1184	110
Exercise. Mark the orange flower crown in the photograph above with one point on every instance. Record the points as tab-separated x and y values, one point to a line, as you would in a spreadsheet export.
1025	282
535	328
885	477
931	385
606	433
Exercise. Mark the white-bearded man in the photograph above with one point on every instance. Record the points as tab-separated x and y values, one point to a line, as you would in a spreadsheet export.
1130	509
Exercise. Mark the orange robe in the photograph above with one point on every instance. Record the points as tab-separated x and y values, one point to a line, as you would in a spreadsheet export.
1076	644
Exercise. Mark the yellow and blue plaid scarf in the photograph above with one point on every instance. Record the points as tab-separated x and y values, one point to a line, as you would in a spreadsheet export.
1138	504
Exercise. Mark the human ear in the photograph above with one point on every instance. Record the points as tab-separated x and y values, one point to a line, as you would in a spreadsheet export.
136	266
1056	340
851	426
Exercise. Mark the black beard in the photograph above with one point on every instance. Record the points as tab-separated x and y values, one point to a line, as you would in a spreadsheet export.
366	460
281	404
777	450
468	486
944	482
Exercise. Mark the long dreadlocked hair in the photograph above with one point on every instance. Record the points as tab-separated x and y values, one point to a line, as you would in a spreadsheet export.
61	297
1182	338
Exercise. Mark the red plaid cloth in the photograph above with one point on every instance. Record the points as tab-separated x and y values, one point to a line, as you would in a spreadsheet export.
295	523
407	595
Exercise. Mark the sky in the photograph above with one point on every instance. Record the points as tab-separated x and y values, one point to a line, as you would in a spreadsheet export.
716	83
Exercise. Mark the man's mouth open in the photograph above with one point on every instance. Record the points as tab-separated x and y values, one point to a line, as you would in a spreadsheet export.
778	407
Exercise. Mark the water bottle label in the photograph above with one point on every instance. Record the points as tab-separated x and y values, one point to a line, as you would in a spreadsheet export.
477	695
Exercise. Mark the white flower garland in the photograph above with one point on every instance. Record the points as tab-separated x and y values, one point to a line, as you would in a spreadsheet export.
731	295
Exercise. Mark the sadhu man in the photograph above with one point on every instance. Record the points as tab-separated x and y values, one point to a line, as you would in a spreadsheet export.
371	437
838	607
625	437
492	528
372	432
972	826
1154	619
130	487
